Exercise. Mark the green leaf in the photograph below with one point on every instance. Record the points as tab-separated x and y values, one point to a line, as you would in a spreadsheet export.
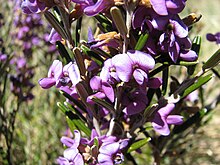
196	118
92	55
119	21
63	52
141	41
71	124
165	75
201	81
74	120
78	30
78	104
104	104
104	23
55	24
138	144
80	125
212	61
185	63
96	142
196	45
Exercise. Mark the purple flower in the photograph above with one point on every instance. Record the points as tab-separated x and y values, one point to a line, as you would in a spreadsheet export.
71	154
213	37
165	7
54	36
102	88
174	40
134	63
162	119
154	83
91	9
142	18
3	57
134	102
110	151
108	72
54	74
61	76
32	6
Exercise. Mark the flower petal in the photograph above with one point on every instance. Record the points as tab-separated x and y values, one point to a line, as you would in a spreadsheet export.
159	6
109	148
159	124
142	60
174	119
70	153
79	159
154	83
180	29
123	65
188	55
134	107
108	90
67	141
95	83
139	76
99	6
165	111
46	83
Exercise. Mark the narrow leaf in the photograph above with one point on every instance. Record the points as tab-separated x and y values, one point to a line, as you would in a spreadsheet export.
201	81
212	61
141	41
75	120
55	24
63	52
92	55
104	104
119	21
196	45
78	123
138	144
165	75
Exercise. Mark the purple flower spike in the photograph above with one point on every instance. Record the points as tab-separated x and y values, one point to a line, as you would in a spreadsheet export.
162	119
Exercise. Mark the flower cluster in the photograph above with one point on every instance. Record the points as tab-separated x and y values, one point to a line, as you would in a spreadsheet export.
112	79
96	150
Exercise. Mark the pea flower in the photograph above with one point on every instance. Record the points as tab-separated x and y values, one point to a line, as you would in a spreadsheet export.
165	7
162	119
91	9
32	6
134	101
213	37
110	151
103	89
133	63
71	154
54	74
61	76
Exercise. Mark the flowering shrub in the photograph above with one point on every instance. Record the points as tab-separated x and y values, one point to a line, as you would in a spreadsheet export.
116	83
111	79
